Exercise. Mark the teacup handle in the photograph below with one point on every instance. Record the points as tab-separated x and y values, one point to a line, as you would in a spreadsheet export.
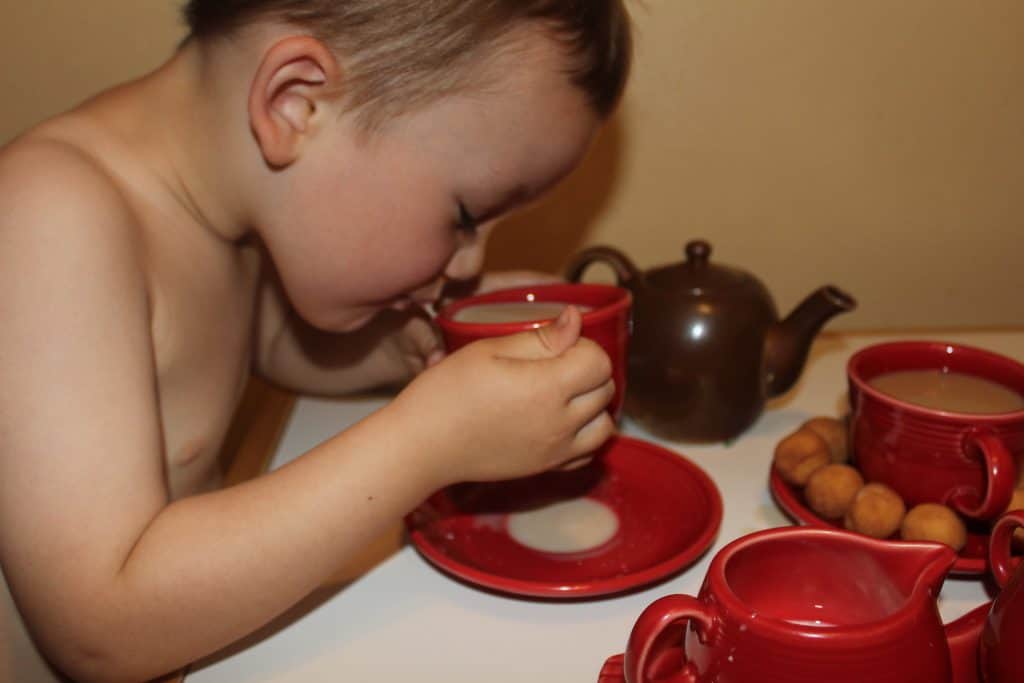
1002	563
1000	476
645	646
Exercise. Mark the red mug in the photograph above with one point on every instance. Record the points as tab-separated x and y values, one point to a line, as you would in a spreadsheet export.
606	321
963	460
1000	651
791	605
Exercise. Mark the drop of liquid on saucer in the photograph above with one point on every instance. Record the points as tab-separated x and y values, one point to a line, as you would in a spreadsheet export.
569	526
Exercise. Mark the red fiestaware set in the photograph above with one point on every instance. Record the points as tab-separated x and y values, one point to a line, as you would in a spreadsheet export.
792	604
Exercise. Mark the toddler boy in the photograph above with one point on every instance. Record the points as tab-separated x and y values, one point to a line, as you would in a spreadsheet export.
281	197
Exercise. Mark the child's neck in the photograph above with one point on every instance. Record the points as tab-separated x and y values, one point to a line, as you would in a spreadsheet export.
187	123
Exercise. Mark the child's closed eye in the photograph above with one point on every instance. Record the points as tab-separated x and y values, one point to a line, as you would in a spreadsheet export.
466	222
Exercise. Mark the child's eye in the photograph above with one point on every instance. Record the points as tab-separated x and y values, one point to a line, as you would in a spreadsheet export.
466	221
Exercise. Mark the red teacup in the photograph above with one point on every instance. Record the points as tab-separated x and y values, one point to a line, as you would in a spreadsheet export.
606	320
791	605
1000	655
965	460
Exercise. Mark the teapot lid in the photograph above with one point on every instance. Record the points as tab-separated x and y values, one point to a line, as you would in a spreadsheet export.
698	276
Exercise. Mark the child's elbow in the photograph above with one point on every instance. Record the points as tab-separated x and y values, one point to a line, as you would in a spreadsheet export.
104	660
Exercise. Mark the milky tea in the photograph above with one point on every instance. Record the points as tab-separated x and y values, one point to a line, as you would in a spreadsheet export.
513	312
949	391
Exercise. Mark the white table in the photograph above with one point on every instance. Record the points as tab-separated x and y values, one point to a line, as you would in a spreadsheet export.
403	620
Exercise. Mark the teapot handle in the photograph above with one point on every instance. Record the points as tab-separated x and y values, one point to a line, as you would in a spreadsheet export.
626	272
1002	564
646	646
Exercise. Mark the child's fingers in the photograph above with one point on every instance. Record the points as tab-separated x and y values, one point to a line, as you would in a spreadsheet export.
590	437
585	407
575	463
582	368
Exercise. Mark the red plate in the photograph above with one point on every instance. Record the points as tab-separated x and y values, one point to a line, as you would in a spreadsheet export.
668	509
973	557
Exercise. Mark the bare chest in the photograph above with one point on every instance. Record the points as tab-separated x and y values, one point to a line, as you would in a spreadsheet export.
202	325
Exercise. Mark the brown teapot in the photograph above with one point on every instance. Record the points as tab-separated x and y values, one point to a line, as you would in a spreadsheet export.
708	347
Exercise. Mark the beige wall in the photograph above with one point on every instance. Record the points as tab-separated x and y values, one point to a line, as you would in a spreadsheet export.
875	144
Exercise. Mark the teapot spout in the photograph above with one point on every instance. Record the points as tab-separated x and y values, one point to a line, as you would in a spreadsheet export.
789	340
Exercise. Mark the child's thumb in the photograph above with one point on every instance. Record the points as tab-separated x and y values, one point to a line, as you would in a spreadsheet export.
563	332
548	341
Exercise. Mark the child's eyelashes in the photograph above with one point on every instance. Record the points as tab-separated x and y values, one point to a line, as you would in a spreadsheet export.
466	221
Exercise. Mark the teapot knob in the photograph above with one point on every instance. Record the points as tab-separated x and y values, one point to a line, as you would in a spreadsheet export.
698	252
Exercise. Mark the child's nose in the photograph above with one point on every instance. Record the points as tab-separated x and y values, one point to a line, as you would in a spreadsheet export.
468	260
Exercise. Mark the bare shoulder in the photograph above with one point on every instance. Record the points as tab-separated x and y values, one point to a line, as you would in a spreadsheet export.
51	178
62	206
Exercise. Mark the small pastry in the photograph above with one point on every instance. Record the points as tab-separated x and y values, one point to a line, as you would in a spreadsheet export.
834	433
934	522
831	489
799	455
877	511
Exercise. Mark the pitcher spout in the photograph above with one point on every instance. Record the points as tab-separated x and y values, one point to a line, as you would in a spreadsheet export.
936	562
789	340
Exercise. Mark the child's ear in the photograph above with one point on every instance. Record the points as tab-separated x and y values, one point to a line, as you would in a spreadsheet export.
294	83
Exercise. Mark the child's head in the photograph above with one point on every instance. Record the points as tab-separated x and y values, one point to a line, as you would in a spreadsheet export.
402	54
393	128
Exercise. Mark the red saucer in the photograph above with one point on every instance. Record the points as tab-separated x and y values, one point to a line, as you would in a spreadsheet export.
973	557
668	509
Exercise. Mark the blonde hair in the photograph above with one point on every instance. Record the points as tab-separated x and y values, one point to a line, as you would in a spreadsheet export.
402	54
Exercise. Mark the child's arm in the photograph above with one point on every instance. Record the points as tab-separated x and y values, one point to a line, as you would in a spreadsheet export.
390	350
116	580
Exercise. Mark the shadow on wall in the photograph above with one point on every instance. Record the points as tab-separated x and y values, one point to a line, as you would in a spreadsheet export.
544	236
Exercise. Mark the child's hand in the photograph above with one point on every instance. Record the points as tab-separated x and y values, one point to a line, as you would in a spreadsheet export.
511	406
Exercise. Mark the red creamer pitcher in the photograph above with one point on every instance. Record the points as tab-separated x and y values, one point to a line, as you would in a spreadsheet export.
793	605
1002	642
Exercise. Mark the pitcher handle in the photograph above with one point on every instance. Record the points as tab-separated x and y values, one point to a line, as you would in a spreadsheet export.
1002	563
644	646
1000	477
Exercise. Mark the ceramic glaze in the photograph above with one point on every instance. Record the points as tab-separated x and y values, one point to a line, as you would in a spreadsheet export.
708	346
668	512
928	455
792	605
1000	650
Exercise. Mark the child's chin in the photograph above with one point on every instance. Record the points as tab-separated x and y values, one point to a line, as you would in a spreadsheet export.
355	321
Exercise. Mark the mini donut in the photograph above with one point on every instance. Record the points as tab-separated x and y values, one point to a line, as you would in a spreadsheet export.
876	511
934	522
831	489
798	455
834	433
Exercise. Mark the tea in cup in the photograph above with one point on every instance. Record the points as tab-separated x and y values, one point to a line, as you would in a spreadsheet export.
605	309
938	423
791	605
